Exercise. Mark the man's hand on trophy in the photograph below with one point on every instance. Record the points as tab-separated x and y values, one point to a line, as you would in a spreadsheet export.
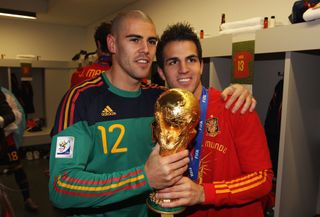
184	193
163	172
239	95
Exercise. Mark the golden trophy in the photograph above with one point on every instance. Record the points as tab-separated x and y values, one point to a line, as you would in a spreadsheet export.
177	114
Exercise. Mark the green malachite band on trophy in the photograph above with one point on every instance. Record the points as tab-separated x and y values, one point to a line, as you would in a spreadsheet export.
159	209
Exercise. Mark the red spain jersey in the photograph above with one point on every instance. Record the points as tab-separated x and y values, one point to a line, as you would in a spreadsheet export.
91	71
241	64
235	167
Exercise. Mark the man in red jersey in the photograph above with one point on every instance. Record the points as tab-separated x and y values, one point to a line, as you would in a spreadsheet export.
103	63
230	168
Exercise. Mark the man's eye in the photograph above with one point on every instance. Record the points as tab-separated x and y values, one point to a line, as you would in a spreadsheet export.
192	60
153	41
172	62
134	39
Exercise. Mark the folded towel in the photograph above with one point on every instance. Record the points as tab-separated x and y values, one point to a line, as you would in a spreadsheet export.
312	13
240	30
243	23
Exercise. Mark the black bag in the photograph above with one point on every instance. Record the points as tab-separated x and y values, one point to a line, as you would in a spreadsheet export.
298	9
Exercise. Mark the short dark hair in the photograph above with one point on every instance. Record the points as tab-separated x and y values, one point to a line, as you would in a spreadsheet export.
177	32
101	35
117	21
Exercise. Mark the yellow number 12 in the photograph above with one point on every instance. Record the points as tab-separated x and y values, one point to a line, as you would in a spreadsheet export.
115	148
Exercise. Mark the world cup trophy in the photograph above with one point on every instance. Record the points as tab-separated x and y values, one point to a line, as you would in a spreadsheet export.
177	114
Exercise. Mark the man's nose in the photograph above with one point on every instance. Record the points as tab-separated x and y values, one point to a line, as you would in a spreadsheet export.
144	47
183	67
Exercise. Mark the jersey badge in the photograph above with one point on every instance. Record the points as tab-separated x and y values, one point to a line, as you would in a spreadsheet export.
212	127
64	147
107	111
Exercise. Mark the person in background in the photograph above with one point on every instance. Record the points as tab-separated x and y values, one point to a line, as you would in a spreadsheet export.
20	116
230	168
6	117
102	159
13	133
103	63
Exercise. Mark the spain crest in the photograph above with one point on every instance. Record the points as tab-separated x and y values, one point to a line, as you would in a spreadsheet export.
212	127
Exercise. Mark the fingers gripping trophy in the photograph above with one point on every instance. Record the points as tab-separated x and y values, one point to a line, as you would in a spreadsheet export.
177	114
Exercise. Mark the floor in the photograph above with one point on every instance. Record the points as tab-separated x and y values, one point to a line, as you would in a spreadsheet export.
38	182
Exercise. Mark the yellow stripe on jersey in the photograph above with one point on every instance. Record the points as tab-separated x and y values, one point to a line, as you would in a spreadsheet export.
241	184
102	188
66	116
237	180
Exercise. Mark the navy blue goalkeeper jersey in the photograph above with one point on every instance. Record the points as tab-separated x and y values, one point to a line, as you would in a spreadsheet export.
102	139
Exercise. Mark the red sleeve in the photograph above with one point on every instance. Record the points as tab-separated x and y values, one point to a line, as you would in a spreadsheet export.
239	191
253	155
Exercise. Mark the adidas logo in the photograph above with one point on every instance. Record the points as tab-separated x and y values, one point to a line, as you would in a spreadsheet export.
107	111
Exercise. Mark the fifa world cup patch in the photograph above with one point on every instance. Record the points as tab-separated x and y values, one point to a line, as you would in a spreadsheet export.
64	147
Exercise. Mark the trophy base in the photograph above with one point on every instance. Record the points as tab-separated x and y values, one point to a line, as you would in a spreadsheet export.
162	210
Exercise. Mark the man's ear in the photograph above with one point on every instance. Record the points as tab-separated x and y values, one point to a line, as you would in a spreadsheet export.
111	43
201	66
161	73
99	45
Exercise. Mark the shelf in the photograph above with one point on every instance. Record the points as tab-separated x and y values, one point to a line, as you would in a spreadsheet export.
39	63
36	138
294	37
